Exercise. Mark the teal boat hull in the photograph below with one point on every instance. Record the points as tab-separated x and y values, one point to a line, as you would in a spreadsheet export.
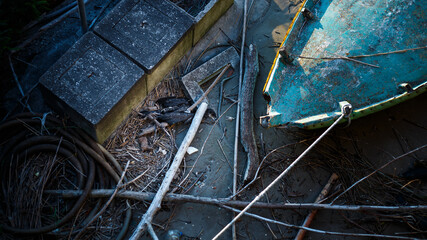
305	89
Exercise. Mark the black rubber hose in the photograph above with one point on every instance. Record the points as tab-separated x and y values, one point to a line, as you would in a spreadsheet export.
97	157
17	138
76	206
36	140
126	224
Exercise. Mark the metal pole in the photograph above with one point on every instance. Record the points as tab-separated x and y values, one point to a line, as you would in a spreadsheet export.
82	11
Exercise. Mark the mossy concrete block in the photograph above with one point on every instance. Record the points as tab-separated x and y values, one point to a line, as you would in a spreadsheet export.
169	61
95	85
146	31
208	17
202	23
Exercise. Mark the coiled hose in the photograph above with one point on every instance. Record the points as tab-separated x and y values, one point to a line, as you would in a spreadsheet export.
27	134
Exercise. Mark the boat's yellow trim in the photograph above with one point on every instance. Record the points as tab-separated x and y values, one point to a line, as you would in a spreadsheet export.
284	39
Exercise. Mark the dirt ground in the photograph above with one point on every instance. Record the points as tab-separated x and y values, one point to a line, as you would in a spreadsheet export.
375	139
352	152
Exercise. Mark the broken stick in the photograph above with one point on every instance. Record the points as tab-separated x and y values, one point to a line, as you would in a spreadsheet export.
310	216
183	198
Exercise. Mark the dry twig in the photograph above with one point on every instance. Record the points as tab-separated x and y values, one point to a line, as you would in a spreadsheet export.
340	57
382	167
147	196
387	53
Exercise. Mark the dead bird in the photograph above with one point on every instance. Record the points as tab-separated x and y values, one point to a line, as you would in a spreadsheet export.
175	117
167	102
172	110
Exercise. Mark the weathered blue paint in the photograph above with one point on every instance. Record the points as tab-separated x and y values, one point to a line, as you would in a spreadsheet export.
307	92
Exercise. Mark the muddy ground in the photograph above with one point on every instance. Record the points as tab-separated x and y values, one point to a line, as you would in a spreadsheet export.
372	139
352	152
396	131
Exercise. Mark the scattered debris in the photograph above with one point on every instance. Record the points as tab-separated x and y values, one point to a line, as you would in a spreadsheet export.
145	223
152	129
173	235
162	151
192	150
152	154
146	142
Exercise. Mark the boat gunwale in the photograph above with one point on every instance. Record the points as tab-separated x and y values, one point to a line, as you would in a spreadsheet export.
291	26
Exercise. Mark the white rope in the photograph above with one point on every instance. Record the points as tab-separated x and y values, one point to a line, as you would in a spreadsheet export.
344	113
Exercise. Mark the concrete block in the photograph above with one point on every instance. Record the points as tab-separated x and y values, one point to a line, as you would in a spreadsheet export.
207	70
146	31
95	85
213	66
207	18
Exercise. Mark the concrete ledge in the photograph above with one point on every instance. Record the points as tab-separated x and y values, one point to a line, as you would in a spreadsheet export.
208	17
121	110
